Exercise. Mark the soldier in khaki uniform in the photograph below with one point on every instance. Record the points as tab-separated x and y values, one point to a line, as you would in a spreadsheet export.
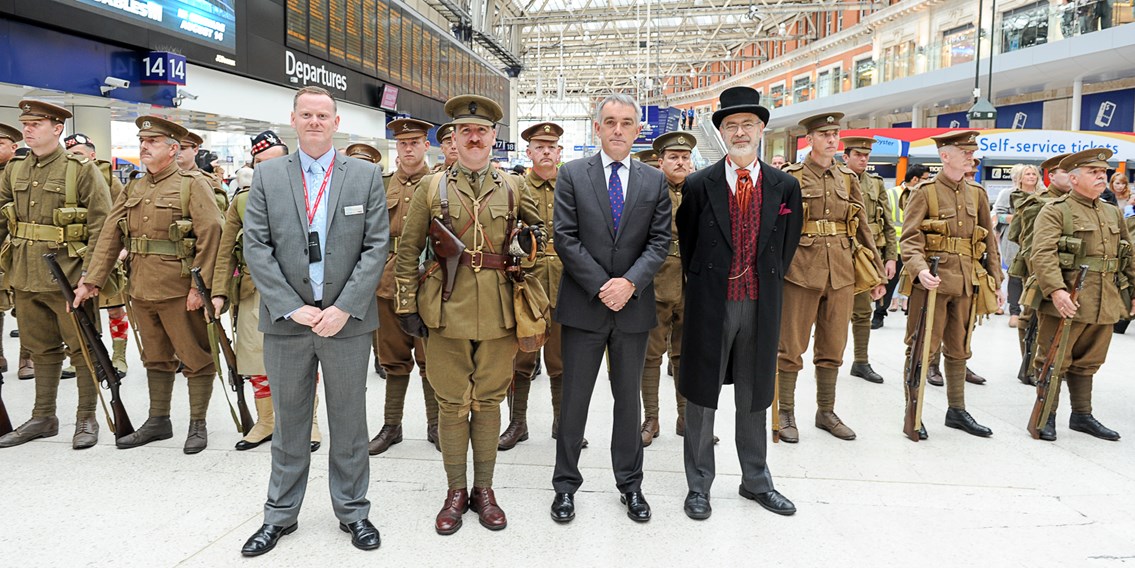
673	150
1021	232
187	162
472	334
396	350
148	217
448	146
949	217
115	305
1078	229
649	157
10	139
819	287
53	202
233	285
856	152
540	184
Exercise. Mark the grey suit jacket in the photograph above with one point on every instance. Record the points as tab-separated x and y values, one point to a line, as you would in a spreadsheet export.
275	243
592	252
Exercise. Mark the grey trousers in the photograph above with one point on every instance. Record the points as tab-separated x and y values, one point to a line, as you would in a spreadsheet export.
583	354
292	362
738	347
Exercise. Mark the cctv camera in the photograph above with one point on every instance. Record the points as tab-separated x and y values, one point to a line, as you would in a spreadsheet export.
183	94
117	83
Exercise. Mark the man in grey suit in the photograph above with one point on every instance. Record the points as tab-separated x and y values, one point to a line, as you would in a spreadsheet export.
612	232
317	310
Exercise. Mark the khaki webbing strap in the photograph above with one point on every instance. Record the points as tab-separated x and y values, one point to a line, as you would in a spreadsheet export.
71	184
953	245
1100	264
241	201
37	232
143	245
932	200
185	181
825	228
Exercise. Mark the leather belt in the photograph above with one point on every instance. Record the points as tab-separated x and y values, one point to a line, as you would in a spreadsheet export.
550	249
825	228
478	260
674	250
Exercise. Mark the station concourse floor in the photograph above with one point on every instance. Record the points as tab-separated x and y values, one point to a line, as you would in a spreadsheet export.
880	500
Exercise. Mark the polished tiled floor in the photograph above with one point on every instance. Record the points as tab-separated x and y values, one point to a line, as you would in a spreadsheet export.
877	501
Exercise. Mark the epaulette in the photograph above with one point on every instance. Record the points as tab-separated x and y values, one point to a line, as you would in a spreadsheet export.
1062	198
844	169
241	190
793	167
922	183
974	183
19	157
387	177
77	158
191	173
874	175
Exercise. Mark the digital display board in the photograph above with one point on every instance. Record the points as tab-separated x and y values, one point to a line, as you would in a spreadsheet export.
208	22
389	43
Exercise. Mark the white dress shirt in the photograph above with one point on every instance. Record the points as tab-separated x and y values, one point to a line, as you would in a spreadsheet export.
731	173
624	171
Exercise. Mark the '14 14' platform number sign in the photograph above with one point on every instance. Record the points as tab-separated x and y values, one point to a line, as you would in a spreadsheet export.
163	68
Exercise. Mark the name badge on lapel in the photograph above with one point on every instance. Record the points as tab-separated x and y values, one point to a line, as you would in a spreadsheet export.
353	210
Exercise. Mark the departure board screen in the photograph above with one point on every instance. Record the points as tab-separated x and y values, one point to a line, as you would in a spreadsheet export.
391	44
337	17
355	33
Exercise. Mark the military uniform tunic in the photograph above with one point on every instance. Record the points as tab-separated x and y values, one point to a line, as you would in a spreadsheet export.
36	186
232	281
1100	227
170	334
669	292
877	208
472	340
962	207
397	351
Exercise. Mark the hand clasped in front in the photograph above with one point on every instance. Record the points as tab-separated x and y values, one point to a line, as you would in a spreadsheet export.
616	293
324	323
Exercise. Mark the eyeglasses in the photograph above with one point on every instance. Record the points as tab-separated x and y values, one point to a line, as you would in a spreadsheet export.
747	126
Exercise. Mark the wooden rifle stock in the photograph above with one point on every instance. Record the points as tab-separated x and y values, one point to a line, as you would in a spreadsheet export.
99	361
916	365
236	381
1048	383
448	248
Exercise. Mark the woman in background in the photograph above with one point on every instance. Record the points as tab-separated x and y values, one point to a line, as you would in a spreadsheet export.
1026	180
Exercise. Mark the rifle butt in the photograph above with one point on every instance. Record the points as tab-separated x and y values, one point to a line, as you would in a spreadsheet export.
122	424
5	421
246	421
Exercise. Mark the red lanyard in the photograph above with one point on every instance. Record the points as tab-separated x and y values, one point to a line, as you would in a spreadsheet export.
311	209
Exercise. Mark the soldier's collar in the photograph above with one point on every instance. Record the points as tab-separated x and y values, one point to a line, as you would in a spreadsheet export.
474	176
164	172
535	179
817	168
1084	200
54	155
403	177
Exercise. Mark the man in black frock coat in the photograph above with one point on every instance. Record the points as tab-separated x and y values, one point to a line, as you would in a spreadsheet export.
738	227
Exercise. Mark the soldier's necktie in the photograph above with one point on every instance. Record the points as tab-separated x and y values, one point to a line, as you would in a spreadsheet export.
615	193
744	189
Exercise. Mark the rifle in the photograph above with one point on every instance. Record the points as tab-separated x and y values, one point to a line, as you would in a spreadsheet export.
94	351
776	409
217	337
448	248
1048	383
918	362
1025	373
5	422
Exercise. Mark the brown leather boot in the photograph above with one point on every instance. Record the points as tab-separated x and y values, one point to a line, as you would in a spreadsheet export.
198	438
516	432
934	376
680	426
44	427
649	431
830	422
388	436
86	433
449	518
485	504
788	431
26	370
972	377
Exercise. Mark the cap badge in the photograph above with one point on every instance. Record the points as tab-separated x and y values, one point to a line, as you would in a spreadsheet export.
473	108
547	128
831	119
27	107
681	140
146	125
406	127
1102	157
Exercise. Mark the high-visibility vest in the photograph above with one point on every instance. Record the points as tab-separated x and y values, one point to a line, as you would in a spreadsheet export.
897	216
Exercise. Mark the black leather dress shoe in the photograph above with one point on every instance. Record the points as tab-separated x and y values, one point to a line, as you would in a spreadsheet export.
563	508
637	507
865	372
960	419
772	500
697	506
1048	433
265	539
243	445
922	435
1088	424
315	446
363	534
877	321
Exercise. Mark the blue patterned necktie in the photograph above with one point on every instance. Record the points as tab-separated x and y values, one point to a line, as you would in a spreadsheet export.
615	193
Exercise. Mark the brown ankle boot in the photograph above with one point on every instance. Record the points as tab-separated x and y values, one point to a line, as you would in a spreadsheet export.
485	504
449	518
516	432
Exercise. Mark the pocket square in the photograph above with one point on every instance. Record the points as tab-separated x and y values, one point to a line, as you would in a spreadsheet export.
784	210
